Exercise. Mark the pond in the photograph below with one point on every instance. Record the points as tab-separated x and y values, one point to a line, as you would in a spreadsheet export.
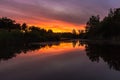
70	60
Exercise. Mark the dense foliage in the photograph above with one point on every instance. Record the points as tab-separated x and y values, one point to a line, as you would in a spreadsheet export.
108	28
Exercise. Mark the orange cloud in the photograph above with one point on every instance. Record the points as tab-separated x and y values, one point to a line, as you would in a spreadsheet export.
55	25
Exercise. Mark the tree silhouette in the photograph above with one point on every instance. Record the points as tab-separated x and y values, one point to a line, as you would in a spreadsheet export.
24	27
50	31
92	25
17	26
74	31
34	28
6	23
108	28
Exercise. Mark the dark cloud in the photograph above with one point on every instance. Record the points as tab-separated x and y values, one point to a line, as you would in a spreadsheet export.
72	11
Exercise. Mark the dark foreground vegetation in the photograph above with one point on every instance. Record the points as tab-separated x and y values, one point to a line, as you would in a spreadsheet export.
16	33
106	29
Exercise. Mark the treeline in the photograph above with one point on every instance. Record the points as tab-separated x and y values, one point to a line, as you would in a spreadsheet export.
13	32
108	28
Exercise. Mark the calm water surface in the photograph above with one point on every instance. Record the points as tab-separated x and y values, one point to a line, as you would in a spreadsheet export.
60	61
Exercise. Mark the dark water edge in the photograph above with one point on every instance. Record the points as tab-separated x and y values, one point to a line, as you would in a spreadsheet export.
105	42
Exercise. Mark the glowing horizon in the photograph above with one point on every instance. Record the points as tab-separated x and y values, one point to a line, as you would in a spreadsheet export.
56	26
58	15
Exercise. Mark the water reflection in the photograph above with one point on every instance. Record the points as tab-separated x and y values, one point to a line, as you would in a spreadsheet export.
110	53
9	51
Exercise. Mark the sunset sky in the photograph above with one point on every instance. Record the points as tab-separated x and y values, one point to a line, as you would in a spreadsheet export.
58	15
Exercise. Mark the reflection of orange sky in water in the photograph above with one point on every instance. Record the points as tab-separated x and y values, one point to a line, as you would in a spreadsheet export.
55	50
55	25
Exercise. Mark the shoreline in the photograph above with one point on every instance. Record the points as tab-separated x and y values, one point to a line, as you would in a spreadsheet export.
105	42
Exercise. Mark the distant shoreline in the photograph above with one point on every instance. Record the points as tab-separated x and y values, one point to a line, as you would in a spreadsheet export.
105	42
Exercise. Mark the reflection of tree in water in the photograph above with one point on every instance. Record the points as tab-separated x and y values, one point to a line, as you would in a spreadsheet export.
53	43
109	53
74	43
10	51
